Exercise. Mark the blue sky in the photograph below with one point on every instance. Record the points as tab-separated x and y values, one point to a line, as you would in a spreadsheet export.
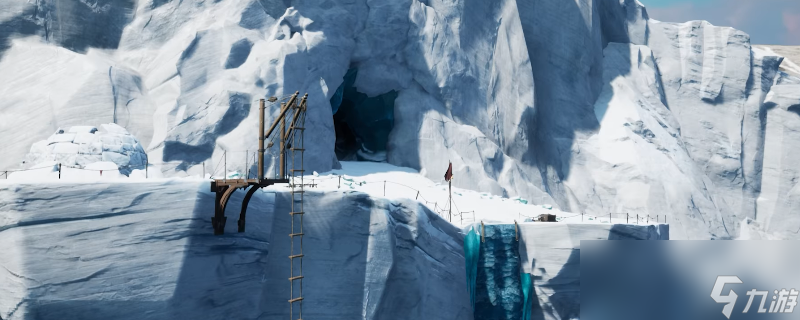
767	21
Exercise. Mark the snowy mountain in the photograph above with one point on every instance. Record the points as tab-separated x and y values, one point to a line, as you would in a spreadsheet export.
589	105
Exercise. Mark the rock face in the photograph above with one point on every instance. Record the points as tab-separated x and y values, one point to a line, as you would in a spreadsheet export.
152	244
589	105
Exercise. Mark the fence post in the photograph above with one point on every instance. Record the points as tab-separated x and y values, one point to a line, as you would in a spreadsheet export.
204	170
417	198
340	182
581	216
648	218
626	218
59	171
637	218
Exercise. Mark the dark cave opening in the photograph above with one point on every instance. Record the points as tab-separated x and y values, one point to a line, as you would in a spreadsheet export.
362	123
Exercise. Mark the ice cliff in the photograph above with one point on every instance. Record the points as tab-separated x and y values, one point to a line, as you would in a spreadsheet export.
146	249
590	105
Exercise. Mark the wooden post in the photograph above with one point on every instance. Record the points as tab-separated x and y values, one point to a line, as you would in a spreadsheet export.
637	218
626	218
450	190
261	140
340	182
59	170
417	197
282	146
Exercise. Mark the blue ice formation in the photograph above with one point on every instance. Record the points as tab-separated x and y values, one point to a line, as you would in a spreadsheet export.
472	248
498	287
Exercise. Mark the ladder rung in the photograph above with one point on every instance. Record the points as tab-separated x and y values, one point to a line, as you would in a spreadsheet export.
295	278
298	149
295	299
296	234
296	256
298	212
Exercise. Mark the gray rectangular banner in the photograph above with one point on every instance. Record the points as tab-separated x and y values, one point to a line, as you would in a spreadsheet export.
688	280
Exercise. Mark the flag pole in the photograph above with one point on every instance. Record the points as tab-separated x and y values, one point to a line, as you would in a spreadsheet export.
449	177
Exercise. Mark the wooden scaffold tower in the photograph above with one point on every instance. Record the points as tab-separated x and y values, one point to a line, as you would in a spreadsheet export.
290	139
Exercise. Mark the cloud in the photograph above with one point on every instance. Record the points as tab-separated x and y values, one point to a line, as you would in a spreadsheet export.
767	21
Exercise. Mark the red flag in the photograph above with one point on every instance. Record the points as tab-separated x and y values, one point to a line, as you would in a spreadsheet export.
449	174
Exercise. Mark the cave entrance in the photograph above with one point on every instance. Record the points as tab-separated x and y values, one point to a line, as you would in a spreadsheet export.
362	123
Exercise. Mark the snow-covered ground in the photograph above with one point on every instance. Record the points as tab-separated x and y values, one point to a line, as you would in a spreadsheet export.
386	180
378	180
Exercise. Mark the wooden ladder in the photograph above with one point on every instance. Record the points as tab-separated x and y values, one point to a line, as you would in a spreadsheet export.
297	213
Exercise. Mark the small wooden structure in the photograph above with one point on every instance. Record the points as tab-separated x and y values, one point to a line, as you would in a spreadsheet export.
225	187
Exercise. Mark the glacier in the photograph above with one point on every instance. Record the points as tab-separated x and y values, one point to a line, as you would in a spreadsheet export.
590	106
584	108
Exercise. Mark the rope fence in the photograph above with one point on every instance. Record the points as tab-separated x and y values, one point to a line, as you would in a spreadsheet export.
442	209
219	163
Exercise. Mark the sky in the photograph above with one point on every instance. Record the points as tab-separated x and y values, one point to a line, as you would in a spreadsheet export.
775	22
